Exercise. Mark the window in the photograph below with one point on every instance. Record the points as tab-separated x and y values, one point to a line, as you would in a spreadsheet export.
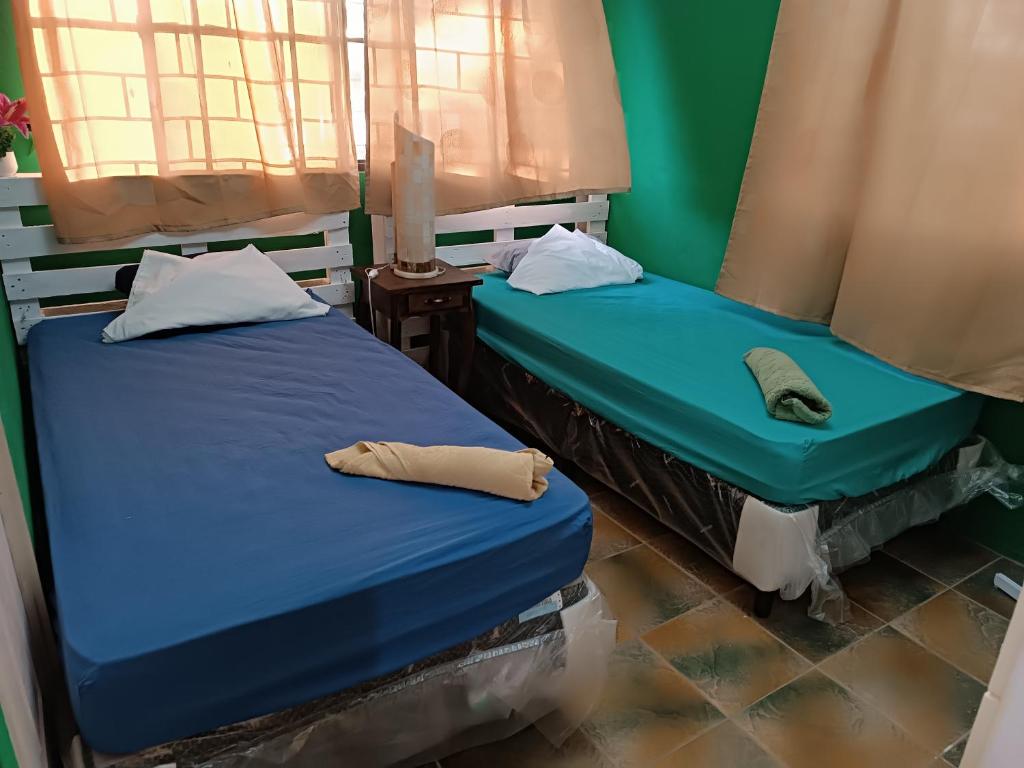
165	87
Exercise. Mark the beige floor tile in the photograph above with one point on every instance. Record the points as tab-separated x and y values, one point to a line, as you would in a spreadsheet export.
887	587
530	749
814	640
964	633
627	514
726	654
724	746
940	553
647	710
932	700
980	589
645	590
815	722
696	562
610	538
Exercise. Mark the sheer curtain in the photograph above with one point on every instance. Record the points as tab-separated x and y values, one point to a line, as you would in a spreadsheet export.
177	115
885	185
520	98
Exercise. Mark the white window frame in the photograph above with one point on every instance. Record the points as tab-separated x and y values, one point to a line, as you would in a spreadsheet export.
357	86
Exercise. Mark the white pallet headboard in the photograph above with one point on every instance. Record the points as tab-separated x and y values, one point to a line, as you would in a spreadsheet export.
24	286
590	212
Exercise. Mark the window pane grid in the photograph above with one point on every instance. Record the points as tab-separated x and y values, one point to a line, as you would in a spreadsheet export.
186	86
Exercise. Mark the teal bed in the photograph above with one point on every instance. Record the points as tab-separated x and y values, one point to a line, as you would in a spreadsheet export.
664	360
644	386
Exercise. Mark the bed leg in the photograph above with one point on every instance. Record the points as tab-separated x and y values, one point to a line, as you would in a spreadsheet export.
763	602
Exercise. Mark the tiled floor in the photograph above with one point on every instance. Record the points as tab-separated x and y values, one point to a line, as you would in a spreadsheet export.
697	680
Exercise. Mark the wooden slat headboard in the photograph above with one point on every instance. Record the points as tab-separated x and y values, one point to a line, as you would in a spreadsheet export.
590	213
25	286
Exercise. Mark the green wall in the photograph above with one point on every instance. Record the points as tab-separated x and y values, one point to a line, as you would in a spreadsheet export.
986	520
691	73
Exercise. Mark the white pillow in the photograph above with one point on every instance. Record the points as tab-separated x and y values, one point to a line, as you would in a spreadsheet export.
155	271
211	289
507	258
567	261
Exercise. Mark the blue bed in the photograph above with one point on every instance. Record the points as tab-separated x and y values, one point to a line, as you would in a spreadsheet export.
664	361
209	567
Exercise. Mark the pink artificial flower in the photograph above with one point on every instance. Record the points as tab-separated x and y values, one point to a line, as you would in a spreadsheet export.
12	112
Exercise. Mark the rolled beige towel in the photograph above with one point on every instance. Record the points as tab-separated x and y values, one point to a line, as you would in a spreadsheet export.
512	474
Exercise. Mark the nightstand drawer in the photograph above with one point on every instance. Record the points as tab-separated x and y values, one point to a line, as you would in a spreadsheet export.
431	302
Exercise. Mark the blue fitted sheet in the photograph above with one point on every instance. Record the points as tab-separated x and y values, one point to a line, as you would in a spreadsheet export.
664	361
210	567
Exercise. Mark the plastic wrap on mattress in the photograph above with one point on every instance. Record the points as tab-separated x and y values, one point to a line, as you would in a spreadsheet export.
545	667
774	547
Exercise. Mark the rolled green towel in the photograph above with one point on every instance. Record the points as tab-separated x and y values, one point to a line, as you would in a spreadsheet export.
788	392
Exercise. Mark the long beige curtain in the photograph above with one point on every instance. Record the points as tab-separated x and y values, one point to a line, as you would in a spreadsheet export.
178	115
520	98
884	193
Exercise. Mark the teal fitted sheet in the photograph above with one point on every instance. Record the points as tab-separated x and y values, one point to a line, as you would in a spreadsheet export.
664	361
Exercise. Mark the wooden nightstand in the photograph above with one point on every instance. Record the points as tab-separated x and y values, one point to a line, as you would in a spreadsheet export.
447	296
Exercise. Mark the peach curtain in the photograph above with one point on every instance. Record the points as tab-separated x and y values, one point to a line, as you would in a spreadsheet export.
885	184
179	115
520	98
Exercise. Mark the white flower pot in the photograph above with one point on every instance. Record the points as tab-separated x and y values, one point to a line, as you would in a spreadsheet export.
8	165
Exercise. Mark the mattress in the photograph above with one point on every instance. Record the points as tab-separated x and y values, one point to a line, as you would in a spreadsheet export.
774	547
209	567
435	702
664	361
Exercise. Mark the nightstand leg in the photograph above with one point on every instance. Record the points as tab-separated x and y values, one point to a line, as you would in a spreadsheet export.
363	308
434	359
396	331
468	346
763	602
